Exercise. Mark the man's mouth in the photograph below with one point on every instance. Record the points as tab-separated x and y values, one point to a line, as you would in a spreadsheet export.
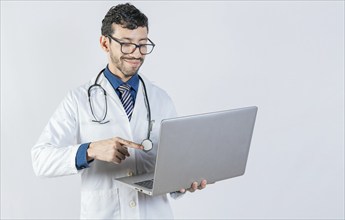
133	62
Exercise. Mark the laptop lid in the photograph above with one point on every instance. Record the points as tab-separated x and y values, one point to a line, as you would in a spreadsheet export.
212	146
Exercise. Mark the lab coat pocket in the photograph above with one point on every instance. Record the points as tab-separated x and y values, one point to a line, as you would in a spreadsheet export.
100	204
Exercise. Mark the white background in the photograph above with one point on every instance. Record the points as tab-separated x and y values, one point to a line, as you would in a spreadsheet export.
285	57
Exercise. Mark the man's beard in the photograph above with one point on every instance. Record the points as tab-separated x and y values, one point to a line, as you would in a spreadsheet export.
121	66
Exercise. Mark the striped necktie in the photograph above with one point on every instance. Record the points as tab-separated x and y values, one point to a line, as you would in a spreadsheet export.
126	99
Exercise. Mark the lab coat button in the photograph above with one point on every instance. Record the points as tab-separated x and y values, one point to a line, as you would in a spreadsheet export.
132	204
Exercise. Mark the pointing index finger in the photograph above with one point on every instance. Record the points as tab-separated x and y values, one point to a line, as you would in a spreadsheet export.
130	144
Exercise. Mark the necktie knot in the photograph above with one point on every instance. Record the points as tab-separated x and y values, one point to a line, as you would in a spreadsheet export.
124	88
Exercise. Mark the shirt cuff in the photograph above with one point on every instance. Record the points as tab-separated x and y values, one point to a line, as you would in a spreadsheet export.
81	157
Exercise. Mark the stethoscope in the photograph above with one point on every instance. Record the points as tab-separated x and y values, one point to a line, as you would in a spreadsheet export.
146	143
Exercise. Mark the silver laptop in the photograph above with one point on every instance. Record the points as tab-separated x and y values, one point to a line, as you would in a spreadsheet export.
212	146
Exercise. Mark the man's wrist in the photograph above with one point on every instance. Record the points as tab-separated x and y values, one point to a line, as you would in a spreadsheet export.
89	153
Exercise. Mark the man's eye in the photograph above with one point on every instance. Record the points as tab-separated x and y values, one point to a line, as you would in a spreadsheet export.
127	45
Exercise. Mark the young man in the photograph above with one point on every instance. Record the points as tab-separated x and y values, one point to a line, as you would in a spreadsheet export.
96	129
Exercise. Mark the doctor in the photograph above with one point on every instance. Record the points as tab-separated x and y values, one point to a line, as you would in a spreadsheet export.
96	129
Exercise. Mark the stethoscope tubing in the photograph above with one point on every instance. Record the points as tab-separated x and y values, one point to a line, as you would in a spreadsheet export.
148	145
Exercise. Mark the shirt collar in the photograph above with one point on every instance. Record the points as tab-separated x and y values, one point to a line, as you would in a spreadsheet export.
115	81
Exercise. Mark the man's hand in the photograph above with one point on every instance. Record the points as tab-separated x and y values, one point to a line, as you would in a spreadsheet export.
195	186
111	150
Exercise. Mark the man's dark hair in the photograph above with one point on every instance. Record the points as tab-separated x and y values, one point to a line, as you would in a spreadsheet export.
126	15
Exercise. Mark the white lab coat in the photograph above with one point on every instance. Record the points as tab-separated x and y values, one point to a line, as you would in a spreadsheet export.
71	125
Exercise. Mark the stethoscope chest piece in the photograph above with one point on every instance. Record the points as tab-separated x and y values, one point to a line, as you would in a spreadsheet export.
147	144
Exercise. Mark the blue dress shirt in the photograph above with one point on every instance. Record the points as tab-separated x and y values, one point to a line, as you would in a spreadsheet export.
80	159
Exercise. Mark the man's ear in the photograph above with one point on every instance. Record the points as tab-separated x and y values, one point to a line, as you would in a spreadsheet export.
104	42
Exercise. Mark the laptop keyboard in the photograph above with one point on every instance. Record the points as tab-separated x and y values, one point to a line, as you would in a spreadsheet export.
147	184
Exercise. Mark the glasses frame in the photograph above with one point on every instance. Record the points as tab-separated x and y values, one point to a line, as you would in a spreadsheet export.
136	45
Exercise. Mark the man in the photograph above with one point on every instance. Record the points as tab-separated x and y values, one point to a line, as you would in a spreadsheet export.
96	128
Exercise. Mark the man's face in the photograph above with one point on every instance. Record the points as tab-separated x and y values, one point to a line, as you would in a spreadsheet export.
126	65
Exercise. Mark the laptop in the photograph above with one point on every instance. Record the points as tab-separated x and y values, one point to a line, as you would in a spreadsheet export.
212	146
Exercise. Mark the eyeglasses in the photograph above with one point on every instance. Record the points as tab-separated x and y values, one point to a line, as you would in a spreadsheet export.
128	48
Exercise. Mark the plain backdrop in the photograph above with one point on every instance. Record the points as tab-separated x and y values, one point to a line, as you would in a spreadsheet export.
285	57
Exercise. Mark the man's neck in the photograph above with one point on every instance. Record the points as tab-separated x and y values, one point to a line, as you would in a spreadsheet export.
118	73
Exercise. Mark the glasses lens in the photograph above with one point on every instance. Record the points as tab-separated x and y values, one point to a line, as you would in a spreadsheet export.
146	48
128	48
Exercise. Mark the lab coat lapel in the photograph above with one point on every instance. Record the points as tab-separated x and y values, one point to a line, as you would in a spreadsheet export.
111	92
139	117
115	105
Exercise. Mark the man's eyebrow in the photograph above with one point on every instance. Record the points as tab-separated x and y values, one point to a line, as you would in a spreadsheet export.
130	39
126	38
